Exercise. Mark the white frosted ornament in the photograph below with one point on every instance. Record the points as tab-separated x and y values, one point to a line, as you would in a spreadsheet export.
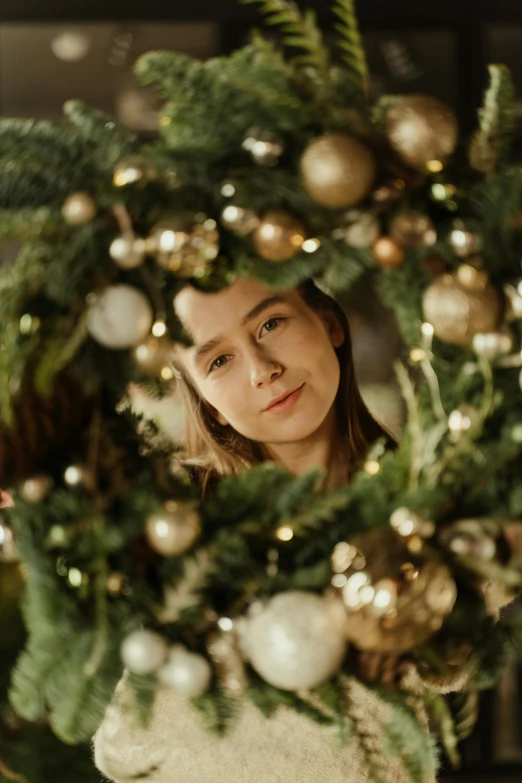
186	672
120	317
143	652
296	641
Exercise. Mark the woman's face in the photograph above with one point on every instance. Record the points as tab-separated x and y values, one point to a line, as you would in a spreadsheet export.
253	344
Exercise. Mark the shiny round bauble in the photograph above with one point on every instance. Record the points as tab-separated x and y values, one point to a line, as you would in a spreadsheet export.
461	304
394	600
388	253
185	672
422	130
492	345
172	531
36	488
132	170
465	238
337	170
143	652
296	640
8	553
413	229
185	244
120	317
154	354
238	220
79	208
279	236
362	231
78	475
128	252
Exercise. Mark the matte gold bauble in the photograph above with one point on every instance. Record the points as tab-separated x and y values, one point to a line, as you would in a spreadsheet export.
462	304
79	208
388	253
279	236
421	130
153	355
35	488
411	228
172	531
394	600
337	170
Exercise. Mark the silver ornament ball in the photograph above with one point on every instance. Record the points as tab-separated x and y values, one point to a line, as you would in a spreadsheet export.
120	317
186	672
143	652
297	640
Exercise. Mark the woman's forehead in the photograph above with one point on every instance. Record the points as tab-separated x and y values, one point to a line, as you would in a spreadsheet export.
203	313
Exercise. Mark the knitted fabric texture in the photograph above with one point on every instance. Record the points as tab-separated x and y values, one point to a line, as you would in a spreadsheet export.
175	748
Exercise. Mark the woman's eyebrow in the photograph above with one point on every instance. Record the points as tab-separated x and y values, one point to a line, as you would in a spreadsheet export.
264	304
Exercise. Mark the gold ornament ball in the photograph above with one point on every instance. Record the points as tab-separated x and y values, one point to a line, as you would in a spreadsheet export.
337	170
185	244
154	354
411	228
79	208
421	129
388	253
279	236
394	601
462	304
128	253
172	531
363	230
492	345
465	239
35	488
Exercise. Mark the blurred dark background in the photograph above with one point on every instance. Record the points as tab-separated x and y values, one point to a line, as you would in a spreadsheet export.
53	50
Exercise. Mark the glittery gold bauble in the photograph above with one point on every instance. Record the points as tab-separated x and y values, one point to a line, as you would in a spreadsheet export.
153	355
223	649
362	230
35	488
185	244
387	252
172	531
411	228
79	208
279	236
132	170
462	304
394	600
337	170
421	129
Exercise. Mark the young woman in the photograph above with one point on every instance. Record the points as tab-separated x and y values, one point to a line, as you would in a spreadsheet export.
268	375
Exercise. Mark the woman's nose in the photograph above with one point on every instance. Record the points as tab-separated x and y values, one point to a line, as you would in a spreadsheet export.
263	367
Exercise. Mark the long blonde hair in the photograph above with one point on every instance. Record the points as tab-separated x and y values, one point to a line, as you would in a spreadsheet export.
214	450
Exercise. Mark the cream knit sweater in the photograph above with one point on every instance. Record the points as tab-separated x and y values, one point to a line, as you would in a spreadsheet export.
287	748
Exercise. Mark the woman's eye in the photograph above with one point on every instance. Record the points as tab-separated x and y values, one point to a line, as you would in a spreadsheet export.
215	364
272	324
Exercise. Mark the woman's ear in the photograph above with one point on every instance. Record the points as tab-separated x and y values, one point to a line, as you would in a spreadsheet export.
335	330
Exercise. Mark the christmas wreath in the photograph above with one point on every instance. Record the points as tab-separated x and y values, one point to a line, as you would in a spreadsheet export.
273	162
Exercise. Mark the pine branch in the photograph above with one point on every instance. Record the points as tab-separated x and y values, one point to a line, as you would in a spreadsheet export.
299	31
491	143
350	42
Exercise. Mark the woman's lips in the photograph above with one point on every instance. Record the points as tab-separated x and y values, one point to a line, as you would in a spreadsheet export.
287	403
